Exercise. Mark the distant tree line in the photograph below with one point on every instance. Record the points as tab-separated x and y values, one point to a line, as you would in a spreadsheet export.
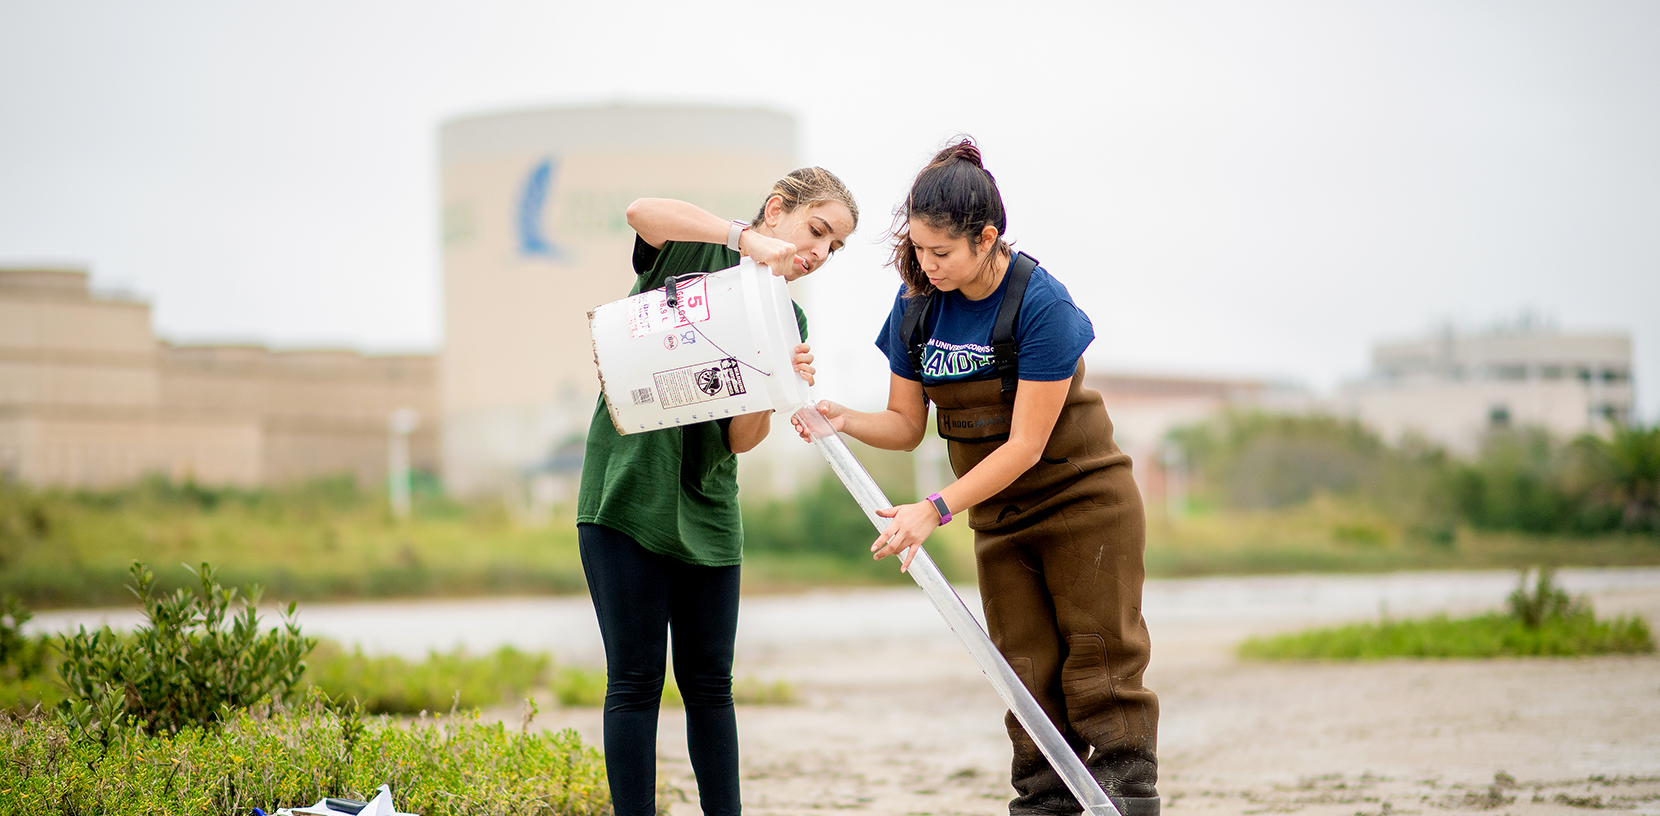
1521	479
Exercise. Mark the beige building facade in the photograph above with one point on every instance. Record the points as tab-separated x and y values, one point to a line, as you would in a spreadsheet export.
89	397
1453	388
535	235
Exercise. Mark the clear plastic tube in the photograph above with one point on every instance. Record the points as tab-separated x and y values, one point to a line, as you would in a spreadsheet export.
951	607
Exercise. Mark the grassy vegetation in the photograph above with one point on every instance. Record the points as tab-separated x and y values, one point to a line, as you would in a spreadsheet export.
1333	533
163	718
1272	493
324	539
193	712
200	651
27	664
274	756
1521	479
1492	635
327	540
1268	494
1540	622
822	538
387	684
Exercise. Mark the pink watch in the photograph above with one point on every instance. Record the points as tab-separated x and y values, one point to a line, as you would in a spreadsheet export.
734	232
939	504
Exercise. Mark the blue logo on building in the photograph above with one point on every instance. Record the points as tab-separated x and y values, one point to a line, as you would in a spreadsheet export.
533	241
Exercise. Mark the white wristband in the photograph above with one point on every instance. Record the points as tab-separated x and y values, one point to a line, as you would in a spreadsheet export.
734	233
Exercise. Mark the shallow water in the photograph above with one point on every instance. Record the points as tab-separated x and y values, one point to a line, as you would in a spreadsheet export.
895	616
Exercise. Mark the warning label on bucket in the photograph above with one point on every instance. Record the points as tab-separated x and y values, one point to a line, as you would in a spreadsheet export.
713	380
649	313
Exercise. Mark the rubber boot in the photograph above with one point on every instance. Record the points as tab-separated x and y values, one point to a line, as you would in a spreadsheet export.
1039	789
1130	780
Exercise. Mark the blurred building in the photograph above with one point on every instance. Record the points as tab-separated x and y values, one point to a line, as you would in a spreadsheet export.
1452	388
90	398
535	235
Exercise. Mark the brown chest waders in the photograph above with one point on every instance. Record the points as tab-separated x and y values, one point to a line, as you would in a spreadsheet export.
1059	558
1077	778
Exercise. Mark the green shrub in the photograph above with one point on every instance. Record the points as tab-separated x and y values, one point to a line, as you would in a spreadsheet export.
1493	635
1543	622
20	697
1546	602
384	684
25	521
277	756
749	691
26	663
1526	480
1626	476
824	521
21	656
1364	535
1521	479
183	666
387	684
318	539
576	686
1266	461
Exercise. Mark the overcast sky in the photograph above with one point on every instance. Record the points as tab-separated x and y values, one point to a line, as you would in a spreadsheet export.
1239	189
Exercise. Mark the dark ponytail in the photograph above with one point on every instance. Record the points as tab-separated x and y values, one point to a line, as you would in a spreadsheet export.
954	194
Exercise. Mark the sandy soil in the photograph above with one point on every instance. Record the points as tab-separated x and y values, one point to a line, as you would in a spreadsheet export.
911	727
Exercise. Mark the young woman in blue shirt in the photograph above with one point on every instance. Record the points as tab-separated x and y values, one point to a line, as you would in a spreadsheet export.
996	343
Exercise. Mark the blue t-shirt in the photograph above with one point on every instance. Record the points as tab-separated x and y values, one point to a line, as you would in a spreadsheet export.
1051	331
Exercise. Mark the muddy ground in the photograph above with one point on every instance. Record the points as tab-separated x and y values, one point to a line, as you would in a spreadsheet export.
910	726
895	718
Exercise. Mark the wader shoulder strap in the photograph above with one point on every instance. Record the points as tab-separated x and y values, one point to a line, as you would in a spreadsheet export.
1005	351
911	328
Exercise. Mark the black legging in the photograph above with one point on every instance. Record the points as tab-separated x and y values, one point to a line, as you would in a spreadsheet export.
640	597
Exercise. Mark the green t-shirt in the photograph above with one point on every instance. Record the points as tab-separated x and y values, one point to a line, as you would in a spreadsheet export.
673	490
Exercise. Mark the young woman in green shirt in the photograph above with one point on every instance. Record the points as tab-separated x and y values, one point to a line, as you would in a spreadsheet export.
657	513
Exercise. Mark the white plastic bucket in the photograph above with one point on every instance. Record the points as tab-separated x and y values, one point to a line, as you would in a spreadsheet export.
724	350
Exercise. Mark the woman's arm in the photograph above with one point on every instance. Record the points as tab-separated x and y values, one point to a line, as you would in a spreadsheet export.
1036	407
900	427
660	220
744	432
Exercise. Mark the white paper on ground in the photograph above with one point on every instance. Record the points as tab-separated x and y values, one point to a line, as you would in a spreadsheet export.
380	805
